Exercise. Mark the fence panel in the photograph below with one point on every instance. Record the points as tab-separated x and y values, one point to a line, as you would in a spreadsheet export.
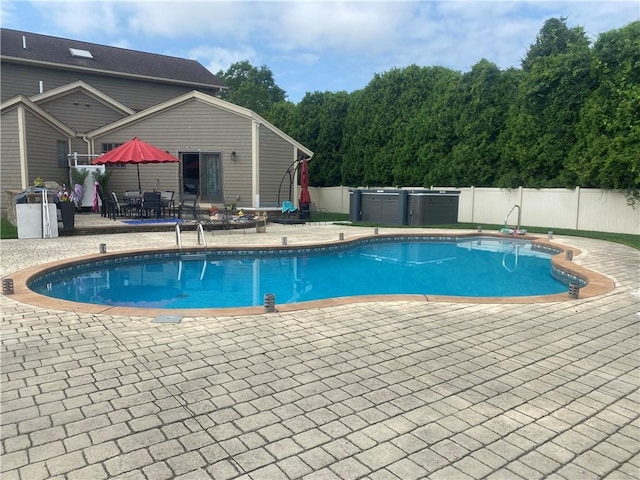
551	207
581	208
491	205
606	211
330	199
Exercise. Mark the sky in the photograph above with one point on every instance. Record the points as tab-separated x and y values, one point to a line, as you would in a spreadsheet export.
318	46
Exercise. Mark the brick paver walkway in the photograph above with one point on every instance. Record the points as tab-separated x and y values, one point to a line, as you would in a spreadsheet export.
400	390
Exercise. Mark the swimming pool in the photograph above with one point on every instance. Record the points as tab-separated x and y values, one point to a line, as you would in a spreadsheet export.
471	267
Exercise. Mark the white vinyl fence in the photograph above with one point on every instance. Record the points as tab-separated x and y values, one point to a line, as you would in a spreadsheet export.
579	209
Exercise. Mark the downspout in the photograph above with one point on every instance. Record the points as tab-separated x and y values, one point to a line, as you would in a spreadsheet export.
89	146
255	163
22	146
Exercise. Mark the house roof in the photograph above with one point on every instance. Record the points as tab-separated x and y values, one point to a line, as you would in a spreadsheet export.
43	50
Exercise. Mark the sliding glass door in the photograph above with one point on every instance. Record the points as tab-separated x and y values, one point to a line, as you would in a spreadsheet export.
202	174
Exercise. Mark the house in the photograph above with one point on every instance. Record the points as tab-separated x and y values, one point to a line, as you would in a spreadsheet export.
65	101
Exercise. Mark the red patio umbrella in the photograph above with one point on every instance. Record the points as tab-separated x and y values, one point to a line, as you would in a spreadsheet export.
305	198
135	151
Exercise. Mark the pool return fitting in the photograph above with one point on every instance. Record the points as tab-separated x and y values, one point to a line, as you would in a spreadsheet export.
7	286
269	302
574	290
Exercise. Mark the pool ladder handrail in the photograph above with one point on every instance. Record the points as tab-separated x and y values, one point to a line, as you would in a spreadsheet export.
201	240
507	218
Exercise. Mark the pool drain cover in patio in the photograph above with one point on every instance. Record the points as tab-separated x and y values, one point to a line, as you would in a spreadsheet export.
167	319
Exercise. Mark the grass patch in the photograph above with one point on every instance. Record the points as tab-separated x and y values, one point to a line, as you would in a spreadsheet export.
7	230
329	217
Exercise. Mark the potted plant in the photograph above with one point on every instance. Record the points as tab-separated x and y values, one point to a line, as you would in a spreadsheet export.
67	207
102	179
78	177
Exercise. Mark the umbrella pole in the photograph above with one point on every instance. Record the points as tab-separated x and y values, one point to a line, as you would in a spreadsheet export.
139	187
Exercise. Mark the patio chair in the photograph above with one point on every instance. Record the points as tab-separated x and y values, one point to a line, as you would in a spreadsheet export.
110	207
168	203
188	204
104	211
121	209
151	202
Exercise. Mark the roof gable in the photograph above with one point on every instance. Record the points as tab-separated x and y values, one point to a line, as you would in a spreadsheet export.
201	97
44	50
21	100
88	89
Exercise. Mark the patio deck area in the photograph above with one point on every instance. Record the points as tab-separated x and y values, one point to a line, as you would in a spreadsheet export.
377	390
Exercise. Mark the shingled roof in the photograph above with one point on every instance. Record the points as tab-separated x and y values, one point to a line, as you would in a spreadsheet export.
42	50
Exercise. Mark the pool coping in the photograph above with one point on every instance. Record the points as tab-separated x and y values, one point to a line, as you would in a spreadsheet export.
597	284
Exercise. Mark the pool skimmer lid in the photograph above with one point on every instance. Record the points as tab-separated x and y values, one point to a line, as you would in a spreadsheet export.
167	319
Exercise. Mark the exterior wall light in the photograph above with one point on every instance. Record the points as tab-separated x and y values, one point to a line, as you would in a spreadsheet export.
233	156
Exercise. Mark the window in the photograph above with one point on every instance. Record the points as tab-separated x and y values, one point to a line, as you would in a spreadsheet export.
62	152
106	147
80	53
109	146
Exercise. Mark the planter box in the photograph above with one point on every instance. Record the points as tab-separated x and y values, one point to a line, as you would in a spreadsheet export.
68	215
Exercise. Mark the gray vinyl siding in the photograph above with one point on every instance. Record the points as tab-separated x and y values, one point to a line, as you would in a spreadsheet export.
135	94
79	146
10	154
42	160
80	111
276	155
190	127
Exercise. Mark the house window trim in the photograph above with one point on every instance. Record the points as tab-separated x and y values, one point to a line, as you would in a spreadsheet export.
62	157
106	147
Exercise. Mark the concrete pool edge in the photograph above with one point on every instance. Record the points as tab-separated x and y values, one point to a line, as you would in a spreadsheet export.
597	284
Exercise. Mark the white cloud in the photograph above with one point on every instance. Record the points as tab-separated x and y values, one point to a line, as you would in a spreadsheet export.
216	58
190	19
79	19
363	27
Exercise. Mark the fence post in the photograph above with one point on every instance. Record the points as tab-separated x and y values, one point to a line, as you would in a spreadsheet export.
577	207
473	203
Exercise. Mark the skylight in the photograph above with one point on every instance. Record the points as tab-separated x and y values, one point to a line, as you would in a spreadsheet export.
76	52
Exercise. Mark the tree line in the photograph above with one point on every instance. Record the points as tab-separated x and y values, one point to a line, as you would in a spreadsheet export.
569	116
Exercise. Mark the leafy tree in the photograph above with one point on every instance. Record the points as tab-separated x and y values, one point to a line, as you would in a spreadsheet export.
481	103
282	115
251	87
379	149
540	129
319	120
607	151
553	39
570	116
430	135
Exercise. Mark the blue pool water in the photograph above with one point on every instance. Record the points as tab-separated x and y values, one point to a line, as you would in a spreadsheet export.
476	267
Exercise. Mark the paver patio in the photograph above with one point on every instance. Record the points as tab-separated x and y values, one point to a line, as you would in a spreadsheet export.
384	390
